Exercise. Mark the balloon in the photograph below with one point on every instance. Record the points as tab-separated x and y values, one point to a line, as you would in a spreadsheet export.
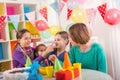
54	29
68	26
41	25
71	4
45	34
81	1
112	16
78	15
65	0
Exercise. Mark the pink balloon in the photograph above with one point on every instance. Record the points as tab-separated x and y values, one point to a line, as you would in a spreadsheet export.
41	25
81	1
112	16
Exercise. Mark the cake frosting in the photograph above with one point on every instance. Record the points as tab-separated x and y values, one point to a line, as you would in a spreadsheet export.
15	74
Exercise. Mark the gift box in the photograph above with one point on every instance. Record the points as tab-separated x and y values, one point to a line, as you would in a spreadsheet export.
67	74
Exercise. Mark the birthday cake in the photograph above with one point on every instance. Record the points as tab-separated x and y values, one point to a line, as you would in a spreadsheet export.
15	74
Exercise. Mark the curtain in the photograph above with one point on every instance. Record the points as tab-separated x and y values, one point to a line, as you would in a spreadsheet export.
115	51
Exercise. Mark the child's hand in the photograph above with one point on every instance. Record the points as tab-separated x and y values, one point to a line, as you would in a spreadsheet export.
48	50
52	58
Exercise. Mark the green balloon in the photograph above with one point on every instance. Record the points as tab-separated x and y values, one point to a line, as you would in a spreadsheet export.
45	34
68	26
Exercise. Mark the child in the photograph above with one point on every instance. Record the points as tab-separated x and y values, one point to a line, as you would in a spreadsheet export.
39	51
23	49
91	55
61	41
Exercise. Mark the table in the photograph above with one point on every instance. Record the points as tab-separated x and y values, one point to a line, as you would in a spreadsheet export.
88	74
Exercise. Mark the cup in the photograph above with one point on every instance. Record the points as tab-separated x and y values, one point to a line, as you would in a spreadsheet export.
77	65
49	71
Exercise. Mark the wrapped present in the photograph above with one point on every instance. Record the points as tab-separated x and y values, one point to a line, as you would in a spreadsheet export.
67	74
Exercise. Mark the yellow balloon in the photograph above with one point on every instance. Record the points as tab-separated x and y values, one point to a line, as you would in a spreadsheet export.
54	29
79	15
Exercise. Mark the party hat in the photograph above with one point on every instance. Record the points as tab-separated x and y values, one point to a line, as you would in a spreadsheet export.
28	62
57	65
67	62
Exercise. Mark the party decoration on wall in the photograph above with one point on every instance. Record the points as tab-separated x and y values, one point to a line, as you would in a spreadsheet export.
44	12
41	25
91	14
55	6
15	19
54	29
68	26
45	34
69	11
31	16
2	19
112	16
72	4
81	1
102	9
31	28
60	6
79	15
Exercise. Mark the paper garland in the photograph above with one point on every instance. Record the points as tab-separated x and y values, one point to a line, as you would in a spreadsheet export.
102	9
2	19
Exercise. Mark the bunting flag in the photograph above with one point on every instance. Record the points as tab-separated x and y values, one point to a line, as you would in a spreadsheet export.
44	12
55	7
60	6
102	9
31	16
69	11
2	19
91	14
15	19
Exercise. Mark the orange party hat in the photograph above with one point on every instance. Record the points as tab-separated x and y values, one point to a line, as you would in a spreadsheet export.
67	62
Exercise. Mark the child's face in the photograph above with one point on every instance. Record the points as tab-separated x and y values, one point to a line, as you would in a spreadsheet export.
60	42
25	40
41	49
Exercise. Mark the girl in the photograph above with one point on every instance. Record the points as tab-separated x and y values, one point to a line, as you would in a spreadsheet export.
39	51
91	55
23	49
61	41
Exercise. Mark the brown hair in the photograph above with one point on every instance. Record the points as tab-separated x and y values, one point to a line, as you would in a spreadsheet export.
37	48
64	35
79	33
20	33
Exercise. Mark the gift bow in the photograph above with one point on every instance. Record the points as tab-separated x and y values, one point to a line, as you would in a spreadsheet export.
69	69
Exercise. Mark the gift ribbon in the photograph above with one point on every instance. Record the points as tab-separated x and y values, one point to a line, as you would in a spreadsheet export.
69	69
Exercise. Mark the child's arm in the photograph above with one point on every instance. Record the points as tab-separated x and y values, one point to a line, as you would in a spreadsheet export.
52	59
19	57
